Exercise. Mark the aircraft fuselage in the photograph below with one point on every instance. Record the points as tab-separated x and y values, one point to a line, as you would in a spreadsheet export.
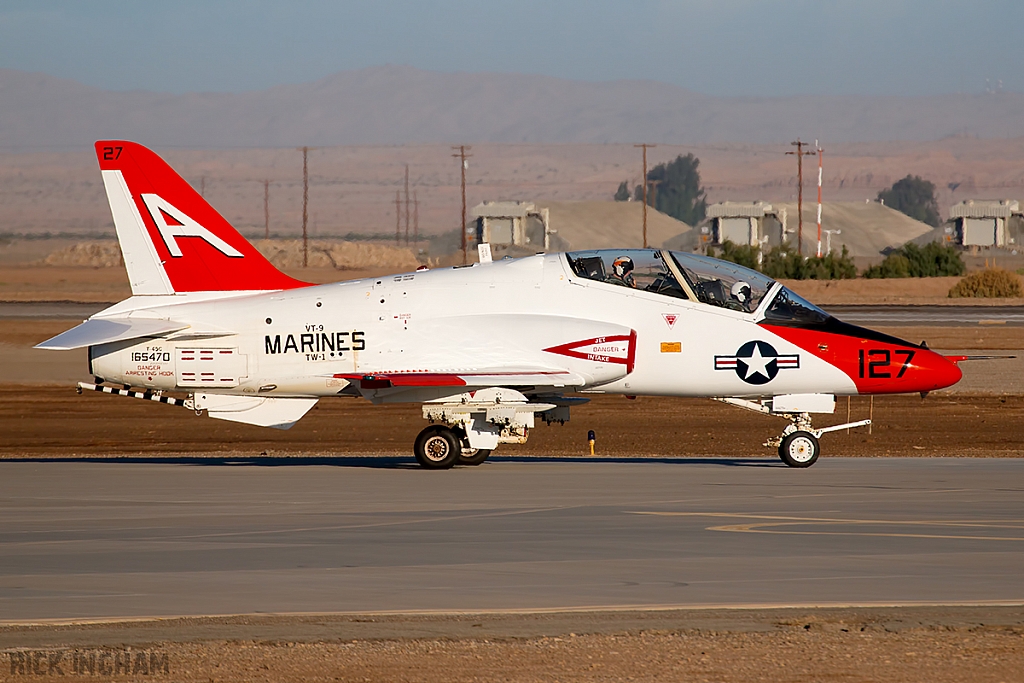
514	313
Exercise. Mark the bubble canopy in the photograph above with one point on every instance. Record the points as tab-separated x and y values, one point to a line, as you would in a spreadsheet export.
698	278
724	284
676	274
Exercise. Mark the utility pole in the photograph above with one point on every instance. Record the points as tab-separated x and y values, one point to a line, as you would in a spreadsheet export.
820	153
398	218
800	154
266	209
407	204
305	205
202	186
462	157
415	218
644	146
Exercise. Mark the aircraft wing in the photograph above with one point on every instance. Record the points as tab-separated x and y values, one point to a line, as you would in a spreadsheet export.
482	377
105	330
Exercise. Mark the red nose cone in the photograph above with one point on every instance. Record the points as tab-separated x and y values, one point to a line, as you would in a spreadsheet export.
951	374
935	371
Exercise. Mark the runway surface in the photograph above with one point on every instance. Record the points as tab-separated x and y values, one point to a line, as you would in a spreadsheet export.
117	539
48	310
944	316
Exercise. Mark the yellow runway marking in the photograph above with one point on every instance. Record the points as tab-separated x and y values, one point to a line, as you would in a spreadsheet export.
761	527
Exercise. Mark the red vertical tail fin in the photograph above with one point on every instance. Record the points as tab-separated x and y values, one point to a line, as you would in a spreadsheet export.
172	240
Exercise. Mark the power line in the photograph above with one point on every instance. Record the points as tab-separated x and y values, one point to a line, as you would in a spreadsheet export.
462	156
305	205
266	209
407	204
800	154
645	146
398	218
415	217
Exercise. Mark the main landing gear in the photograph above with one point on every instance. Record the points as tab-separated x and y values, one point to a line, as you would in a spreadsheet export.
465	428
439	447
799	444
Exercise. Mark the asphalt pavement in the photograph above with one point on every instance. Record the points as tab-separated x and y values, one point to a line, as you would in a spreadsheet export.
941	316
115	538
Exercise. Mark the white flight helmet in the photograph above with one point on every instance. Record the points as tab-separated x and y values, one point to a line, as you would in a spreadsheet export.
741	292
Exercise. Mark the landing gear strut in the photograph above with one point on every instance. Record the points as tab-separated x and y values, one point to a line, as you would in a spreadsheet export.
798	445
469	455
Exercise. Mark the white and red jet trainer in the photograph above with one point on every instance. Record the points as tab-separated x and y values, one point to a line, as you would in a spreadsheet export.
486	348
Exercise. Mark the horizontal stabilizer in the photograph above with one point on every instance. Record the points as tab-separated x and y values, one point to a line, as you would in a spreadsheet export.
543	377
262	411
105	330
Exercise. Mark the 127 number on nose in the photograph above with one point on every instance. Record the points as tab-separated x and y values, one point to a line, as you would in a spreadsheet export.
878	361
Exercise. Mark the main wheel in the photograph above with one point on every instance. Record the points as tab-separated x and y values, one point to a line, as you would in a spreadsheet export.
473	456
437	448
799	449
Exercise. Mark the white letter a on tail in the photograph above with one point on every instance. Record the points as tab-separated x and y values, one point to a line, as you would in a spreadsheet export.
160	208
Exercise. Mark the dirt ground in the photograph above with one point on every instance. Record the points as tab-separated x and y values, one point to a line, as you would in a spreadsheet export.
932	291
888	644
55	422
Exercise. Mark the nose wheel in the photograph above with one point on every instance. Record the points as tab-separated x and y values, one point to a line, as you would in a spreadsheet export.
799	449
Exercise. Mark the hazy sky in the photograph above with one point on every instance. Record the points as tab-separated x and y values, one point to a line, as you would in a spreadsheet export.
720	47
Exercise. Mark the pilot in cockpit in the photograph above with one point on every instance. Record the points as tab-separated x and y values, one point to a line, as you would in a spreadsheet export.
742	293
622	272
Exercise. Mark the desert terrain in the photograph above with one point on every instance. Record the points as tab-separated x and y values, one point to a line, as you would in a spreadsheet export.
352	189
903	645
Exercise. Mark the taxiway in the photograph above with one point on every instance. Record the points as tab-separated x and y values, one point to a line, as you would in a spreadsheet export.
102	539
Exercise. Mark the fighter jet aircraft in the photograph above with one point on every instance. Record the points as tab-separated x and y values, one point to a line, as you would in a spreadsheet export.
487	349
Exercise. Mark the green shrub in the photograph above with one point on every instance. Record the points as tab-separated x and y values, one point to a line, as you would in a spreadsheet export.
740	254
832	267
894	265
784	262
910	260
988	283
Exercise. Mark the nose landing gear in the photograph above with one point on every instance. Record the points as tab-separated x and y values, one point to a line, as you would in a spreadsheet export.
798	445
